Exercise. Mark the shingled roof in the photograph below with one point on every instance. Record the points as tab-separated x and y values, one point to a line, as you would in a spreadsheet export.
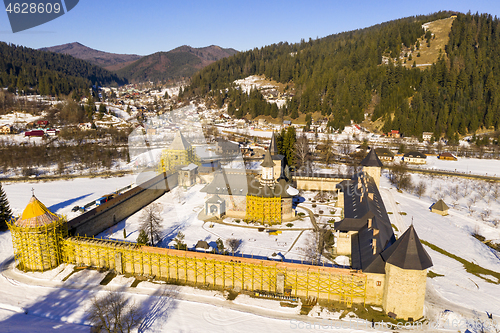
179	143
372	160
268	161
273	147
36	215
408	252
362	201
440	206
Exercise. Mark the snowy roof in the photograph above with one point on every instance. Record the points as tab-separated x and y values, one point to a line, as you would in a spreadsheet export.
36	215
190	167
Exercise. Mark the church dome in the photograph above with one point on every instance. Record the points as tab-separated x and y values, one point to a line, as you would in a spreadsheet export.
36	215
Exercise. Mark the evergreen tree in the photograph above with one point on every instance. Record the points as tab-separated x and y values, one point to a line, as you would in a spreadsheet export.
143	238
5	212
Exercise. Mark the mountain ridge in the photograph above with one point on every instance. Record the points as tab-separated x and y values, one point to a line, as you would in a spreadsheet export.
96	57
180	62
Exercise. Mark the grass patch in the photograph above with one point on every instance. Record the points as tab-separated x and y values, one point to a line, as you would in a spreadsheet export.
402	213
110	276
432	275
469	266
394	227
390	213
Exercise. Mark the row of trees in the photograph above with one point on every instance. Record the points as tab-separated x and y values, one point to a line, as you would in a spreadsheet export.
29	158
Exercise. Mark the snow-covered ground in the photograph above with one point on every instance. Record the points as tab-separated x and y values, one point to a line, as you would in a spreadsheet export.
55	305
473	166
451	233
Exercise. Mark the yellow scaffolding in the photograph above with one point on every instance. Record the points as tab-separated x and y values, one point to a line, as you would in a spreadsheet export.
264	210
38	248
216	270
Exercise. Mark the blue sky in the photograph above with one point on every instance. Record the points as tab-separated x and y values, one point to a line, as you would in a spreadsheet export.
145	27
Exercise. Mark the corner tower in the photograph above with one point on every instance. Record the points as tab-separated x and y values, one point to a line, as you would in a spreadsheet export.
372	166
406	263
37	237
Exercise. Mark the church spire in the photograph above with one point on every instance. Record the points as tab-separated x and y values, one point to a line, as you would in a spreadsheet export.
273	147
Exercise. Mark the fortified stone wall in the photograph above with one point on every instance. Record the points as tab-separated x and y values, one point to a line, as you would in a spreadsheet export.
108	214
317	183
375	288
218	270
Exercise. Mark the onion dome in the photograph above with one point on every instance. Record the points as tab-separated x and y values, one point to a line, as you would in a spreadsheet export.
36	215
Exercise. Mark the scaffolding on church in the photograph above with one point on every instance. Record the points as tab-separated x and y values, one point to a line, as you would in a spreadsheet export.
38	248
264	210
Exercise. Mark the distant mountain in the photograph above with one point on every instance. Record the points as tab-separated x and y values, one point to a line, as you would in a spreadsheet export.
110	61
183	61
49	73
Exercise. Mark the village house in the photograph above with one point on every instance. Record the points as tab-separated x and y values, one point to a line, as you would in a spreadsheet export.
447	156
427	136
394	134
385	154
5	129
414	157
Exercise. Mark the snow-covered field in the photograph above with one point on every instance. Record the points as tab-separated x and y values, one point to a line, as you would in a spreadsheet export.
473	166
451	233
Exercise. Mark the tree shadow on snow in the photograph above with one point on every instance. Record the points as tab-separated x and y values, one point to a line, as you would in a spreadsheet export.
158	305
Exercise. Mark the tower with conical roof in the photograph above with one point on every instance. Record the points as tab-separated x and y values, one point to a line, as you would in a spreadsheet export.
406	263
37	236
180	152
267	176
372	166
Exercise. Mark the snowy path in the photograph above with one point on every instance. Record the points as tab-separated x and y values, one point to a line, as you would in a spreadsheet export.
391	203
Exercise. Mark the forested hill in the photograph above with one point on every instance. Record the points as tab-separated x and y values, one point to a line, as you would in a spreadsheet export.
49	73
340	75
181	62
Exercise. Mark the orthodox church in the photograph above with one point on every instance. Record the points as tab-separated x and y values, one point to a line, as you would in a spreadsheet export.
266	198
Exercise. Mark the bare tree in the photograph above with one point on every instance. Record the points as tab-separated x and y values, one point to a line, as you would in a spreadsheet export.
485	214
233	244
114	313
470	205
151	221
302	152
179	194
420	189
399	176
345	147
315	244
